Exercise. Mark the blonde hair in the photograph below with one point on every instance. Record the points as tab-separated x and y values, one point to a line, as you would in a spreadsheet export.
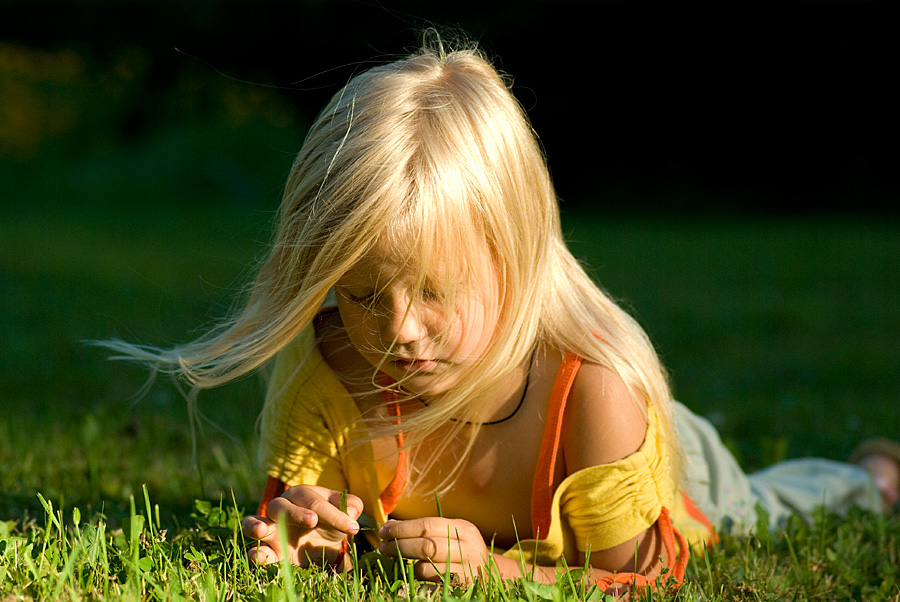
435	147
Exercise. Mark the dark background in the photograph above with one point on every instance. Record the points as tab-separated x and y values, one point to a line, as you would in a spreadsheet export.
734	106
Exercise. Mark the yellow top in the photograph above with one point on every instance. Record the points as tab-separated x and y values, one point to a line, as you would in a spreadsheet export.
309	419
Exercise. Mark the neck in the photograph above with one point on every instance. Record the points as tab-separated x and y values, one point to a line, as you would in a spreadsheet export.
508	401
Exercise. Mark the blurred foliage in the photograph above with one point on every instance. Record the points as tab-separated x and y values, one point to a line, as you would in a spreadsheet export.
34	99
63	101
134	205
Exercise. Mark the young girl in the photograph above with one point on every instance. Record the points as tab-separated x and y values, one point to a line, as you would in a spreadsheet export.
434	338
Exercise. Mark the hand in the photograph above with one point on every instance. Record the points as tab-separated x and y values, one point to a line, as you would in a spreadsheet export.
316	527
441	546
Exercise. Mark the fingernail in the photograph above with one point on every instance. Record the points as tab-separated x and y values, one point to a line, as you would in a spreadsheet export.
354	528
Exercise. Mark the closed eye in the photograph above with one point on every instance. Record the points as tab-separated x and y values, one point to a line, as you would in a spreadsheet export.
430	294
358	298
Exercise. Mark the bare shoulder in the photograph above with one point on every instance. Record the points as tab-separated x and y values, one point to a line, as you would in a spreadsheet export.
605	420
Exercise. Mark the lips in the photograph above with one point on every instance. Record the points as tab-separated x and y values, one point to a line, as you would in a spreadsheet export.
416	365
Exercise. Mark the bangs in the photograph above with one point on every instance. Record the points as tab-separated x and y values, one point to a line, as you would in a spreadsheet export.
444	249
427	198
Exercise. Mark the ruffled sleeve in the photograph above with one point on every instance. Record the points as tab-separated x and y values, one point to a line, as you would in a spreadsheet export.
310	431
600	507
607	505
297	444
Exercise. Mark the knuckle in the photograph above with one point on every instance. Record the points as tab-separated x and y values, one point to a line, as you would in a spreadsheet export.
298	494
320	506
277	505
429	548
429	525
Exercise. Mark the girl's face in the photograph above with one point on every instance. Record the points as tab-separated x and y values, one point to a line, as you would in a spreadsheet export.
407	330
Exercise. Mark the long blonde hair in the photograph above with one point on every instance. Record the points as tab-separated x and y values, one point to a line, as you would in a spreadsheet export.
436	146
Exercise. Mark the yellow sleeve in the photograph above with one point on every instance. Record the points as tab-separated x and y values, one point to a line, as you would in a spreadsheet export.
310	431
600	507
297	444
607	505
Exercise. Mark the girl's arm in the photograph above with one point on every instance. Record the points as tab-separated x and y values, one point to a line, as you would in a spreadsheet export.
605	422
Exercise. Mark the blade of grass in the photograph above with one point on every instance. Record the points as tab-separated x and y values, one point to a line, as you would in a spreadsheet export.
437	503
286	569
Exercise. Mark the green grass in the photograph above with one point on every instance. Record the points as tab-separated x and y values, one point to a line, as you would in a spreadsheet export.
782	331
64	555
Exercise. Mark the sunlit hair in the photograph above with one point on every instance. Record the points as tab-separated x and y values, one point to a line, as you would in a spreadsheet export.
432	156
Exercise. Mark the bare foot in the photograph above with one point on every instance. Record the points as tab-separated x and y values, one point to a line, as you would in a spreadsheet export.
885	475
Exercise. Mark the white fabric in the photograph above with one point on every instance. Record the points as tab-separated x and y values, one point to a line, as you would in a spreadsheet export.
728	496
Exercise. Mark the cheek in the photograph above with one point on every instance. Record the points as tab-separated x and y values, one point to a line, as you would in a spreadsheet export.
473	329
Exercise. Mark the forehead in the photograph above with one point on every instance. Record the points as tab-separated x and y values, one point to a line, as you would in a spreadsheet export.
414	259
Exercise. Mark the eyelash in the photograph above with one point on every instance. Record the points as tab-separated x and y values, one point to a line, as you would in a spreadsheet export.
431	295
359	300
428	295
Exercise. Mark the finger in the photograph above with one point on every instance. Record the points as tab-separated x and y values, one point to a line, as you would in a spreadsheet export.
261	554
256	527
292	513
324	508
453	574
416	548
418	527
333	514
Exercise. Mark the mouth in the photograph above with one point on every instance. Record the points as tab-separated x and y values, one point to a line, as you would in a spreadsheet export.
416	365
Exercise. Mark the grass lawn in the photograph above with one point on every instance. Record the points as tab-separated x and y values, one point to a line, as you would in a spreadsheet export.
781	330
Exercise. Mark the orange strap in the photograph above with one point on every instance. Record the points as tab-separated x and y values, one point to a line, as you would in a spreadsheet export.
695	513
274	488
670	536
391	494
542	487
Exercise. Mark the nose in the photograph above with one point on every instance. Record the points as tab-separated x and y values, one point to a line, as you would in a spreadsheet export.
403	322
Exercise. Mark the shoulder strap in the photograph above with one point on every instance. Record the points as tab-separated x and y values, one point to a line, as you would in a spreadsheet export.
392	493
274	488
542	488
